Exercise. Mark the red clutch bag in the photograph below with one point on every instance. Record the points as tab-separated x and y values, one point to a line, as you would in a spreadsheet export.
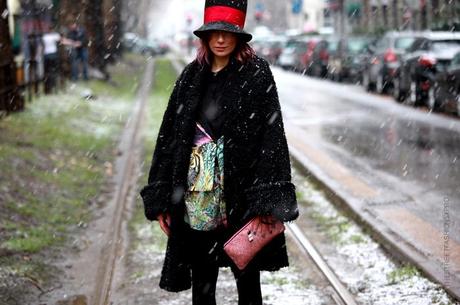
250	239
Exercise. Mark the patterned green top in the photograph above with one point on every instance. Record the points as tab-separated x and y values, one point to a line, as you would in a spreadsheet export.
204	200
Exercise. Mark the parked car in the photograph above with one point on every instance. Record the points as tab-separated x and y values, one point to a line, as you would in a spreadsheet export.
319	60
383	62
291	54
271	48
161	47
428	55
129	40
306	58
444	95
347	63
257	45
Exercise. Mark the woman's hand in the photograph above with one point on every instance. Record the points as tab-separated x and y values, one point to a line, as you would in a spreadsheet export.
165	223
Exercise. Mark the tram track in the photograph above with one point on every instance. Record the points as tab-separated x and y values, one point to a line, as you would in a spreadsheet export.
124	182
342	296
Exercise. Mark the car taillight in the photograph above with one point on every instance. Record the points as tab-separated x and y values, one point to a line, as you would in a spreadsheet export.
425	86
390	56
427	61
324	55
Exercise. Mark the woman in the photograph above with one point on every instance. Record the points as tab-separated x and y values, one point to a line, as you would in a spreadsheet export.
224	108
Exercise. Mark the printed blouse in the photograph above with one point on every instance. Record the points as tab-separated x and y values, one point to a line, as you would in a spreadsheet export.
205	205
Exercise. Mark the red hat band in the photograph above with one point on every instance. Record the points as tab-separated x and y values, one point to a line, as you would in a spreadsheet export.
225	14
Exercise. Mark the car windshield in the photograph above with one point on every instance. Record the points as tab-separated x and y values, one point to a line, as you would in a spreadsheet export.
291	44
297	46
332	46
356	46
404	42
442	45
456	60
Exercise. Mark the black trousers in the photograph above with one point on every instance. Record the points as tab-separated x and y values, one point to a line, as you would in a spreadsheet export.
207	254
51	72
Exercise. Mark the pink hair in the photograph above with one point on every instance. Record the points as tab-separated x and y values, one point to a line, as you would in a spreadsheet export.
243	52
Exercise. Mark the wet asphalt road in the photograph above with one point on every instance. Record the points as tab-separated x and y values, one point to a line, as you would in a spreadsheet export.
412	153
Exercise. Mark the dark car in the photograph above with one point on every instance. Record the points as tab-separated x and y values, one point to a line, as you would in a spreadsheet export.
319	59
383	62
427	56
445	93
347	63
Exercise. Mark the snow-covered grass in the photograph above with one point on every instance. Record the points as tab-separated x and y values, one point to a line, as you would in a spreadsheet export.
361	263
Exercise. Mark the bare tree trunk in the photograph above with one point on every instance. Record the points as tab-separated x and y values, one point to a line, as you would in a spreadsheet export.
446	16
395	14
10	99
67	13
112	28
343	17
94	24
367	14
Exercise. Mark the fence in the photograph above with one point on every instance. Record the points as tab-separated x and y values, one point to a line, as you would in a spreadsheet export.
10	99
26	81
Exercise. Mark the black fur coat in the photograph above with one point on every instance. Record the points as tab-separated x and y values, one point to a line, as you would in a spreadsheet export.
257	168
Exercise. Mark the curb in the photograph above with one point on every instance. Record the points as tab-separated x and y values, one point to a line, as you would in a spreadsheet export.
400	249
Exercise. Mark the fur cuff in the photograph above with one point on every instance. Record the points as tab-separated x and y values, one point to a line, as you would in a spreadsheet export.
157	198
277	199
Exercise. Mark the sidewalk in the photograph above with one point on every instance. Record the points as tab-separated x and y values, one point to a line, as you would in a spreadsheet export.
392	216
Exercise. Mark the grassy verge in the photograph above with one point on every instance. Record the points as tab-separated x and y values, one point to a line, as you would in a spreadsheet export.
55	158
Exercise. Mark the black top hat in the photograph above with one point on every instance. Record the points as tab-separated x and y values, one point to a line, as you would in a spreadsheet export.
224	15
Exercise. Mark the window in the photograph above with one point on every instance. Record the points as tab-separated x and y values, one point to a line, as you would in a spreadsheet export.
441	45
455	61
403	43
415	45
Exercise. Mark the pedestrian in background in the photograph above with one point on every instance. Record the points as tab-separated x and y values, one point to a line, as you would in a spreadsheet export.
51	40
78	51
223	123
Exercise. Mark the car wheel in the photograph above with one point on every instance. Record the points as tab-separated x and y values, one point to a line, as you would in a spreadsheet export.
458	103
323	72
339	78
331	76
413	98
432	103
398	93
367	82
380	85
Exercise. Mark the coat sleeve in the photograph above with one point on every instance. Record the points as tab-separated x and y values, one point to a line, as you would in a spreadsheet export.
156	195
272	192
